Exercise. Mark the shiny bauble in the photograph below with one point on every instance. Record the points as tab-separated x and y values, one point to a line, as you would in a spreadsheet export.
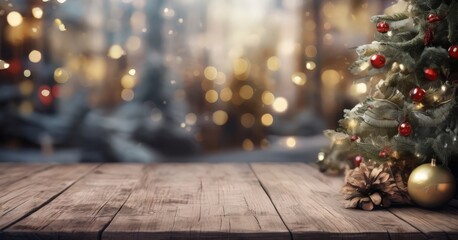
405	129
383	27
417	94
378	61
453	52
433	18
431	186
358	160
431	74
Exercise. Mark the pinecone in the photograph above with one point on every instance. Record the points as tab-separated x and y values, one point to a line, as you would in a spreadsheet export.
368	186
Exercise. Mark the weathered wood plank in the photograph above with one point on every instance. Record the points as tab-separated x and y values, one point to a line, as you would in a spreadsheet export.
436	224
191	201
83	210
12	172
27	195
310	205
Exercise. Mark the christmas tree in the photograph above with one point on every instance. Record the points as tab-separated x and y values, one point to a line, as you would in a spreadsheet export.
410	115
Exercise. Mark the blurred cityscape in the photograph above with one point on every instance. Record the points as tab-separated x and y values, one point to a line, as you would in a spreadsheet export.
136	80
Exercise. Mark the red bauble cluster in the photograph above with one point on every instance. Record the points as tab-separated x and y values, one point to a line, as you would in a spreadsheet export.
431	74
378	61
358	160
383	154
453	52
433	18
405	129
417	94
383	27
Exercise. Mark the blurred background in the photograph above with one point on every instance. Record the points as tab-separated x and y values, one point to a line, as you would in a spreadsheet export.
176	80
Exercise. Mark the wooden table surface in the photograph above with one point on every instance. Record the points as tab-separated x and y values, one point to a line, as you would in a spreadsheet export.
195	201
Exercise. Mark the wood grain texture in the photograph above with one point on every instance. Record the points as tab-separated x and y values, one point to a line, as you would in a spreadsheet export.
12	172
22	197
83	210
197	201
311	207
436	224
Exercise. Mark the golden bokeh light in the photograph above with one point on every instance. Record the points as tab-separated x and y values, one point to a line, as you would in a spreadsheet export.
211	96
273	63
241	66
27	73
210	73
248	145
14	19
310	51
226	94
26	87
247	120
37	12
291	142
132	72
220	117
299	78
116	52
128	81
267	119
310	65
268	98
61	75
246	92
35	56
330	78
26	108
280	105
190	118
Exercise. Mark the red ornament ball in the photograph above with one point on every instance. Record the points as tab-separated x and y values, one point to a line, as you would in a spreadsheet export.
378	61
405	129
417	94
383	154
383	27
354	138
431	74
358	160
432	18
453	51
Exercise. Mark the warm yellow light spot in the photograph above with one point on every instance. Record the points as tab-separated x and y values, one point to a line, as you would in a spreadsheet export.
246	92
191	118
210	73
299	78
27	73
26	87
330	78
127	95
37	12
352	124
226	94
273	63
310	51
267	119
280	105
211	96
220	78
61	1
14	19
290	142
321	156
248	145
361	88
61	75
60	24
45	92
116	52
241	66
26	108
310	65
132	72
4	65
247	120
35	56
219	117
128	81
268	98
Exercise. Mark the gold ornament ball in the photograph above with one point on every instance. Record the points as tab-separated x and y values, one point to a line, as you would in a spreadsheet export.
431	186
